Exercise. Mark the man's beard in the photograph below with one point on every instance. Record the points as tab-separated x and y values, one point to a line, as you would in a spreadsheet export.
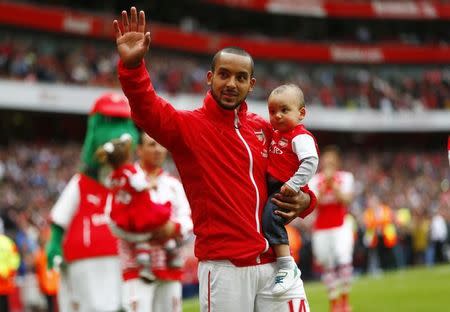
224	106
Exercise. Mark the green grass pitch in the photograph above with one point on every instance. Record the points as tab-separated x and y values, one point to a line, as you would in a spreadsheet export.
413	290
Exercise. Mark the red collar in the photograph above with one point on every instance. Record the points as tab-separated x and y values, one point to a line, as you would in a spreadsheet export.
291	133
219	114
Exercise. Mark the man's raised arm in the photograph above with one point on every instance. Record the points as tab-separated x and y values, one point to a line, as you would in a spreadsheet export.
149	111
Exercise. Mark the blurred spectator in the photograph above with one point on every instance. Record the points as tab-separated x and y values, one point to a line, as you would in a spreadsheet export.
9	262
48	280
403	249
420	235
438	237
380	235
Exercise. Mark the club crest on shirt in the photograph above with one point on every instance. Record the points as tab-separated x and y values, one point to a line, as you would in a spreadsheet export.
261	136
274	149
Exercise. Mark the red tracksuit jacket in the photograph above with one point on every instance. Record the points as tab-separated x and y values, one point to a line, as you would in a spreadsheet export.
221	156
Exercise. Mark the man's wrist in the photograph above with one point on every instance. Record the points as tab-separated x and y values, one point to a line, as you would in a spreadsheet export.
311	200
127	66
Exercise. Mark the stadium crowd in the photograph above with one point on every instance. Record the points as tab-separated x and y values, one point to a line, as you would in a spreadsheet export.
413	187
42	58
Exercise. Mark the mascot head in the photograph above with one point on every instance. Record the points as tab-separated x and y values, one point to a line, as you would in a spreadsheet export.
108	119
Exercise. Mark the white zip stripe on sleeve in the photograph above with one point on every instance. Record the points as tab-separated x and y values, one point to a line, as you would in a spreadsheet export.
86	232
250	171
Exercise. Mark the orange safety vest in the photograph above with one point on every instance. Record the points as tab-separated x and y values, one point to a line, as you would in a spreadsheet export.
383	223
7	284
9	262
295	242
48	279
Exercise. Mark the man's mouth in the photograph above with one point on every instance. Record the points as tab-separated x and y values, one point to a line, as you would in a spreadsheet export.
229	94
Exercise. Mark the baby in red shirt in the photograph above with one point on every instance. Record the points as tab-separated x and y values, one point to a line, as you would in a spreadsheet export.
293	160
133	216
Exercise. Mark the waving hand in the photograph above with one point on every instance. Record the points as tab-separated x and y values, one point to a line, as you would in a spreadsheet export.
134	42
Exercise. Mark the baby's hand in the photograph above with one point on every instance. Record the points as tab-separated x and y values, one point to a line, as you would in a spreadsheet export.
288	191
152	184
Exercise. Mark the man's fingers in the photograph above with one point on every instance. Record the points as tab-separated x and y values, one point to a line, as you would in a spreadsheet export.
117	31
133	24
141	25
283	204
126	25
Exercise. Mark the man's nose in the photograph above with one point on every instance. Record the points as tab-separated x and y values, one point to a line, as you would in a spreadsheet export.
231	82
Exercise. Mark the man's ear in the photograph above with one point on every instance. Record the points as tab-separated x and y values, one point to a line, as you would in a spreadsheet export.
209	76
252	84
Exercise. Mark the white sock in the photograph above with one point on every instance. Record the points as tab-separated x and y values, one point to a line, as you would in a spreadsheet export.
286	262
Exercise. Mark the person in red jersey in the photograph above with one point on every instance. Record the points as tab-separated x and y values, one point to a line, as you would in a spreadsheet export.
133	215
165	294
220	151
293	160
332	238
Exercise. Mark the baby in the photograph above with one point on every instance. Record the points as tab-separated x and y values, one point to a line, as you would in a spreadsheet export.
293	160
133	216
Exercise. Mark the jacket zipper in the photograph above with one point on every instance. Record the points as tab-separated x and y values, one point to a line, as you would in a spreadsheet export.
236	128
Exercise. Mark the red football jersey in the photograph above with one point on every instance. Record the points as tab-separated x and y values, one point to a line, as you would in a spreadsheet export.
283	161
330	211
132	209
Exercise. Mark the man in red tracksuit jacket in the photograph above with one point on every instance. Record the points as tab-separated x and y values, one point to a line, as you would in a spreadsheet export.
220	151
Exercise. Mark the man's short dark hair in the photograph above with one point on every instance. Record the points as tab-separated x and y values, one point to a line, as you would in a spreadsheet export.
232	50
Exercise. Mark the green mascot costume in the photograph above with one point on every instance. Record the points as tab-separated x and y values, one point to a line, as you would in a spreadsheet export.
80	236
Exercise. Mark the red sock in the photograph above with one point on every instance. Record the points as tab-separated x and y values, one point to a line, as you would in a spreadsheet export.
345	303
334	305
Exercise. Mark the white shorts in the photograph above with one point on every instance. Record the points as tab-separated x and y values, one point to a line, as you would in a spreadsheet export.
333	247
96	284
30	293
225	287
160	296
64	295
